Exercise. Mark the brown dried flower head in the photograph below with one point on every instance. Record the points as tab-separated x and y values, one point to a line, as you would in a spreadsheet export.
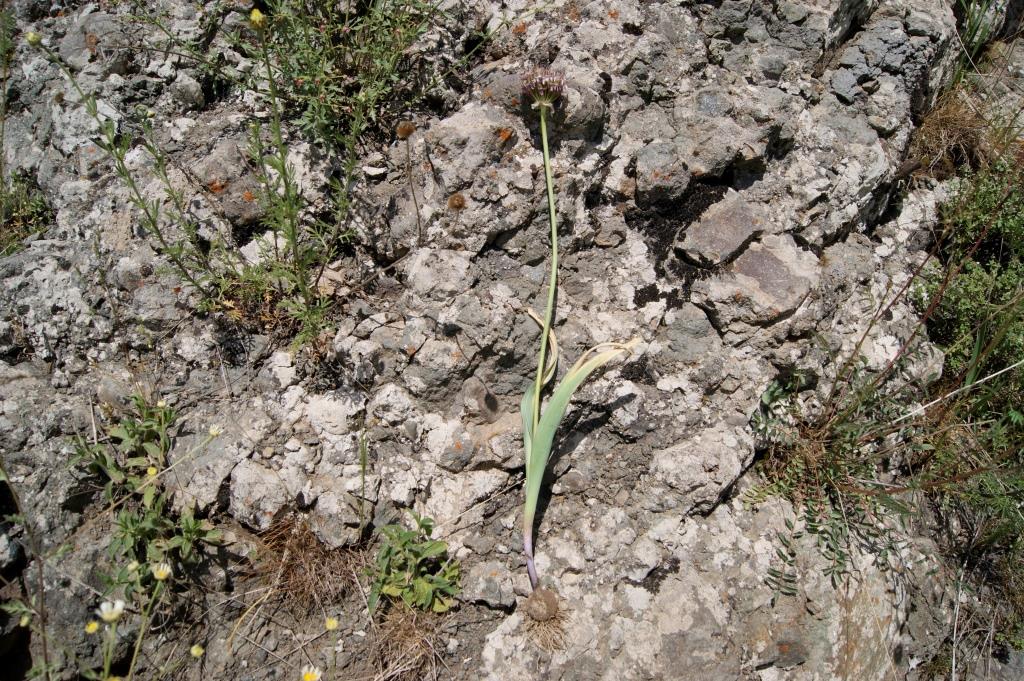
405	130
456	201
543	86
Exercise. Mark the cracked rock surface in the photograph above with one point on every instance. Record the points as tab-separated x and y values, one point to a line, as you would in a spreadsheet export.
724	174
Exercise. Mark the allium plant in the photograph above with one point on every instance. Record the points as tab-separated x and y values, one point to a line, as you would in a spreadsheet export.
544	88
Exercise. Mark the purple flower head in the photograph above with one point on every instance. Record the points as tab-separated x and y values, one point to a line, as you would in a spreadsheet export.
543	86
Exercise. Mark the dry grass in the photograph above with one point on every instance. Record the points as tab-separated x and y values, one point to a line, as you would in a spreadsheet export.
306	573
953	134
405	646
974	124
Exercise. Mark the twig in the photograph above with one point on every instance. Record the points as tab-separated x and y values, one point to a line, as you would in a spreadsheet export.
961	389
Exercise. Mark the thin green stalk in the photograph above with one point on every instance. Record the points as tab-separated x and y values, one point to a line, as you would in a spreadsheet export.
108	652
292	234
110	144
553	277
157	591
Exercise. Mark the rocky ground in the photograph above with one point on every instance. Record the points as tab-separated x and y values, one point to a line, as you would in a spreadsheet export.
730	191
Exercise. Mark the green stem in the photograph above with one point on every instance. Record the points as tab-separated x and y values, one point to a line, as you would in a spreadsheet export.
108	653
151	214
553	278
291	196
157	590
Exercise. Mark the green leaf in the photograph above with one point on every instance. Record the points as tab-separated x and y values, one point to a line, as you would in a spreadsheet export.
434	548
371	601
539	449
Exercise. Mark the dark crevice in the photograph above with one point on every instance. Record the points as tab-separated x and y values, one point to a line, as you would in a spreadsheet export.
638	371
871	216
15	650
473	42
660	224
829	53
493	607
656	577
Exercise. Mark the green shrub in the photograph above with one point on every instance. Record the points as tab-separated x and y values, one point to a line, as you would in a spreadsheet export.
340	71
412	566
23	212
131	461
978	321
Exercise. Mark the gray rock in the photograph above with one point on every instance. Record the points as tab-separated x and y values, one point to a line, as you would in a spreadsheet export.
90	39
489	583
438	274
335	519
583	112
693	473
844	84
10	550
224	171
769	281
258	495
688	335
723	231
188	92
661	176
202	465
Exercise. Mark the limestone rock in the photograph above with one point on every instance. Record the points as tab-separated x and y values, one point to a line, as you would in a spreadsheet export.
723	231
768	282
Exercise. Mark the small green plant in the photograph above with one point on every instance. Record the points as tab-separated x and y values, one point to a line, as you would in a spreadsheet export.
130	461
978	320
785	581
23	210
149	542
341	70
338	73
412	567
544	88
976	19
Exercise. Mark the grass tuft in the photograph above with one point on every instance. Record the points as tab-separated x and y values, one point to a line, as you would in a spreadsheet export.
406	644
309	575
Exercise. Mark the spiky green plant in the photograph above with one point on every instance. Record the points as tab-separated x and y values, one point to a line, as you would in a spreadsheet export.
544	87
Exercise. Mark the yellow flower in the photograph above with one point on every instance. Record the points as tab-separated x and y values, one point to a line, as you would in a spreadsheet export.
111	612
152	471
197	651
331	623
33	39
215	431
92	626
257	19
24	621
161	571
310	673
161	404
